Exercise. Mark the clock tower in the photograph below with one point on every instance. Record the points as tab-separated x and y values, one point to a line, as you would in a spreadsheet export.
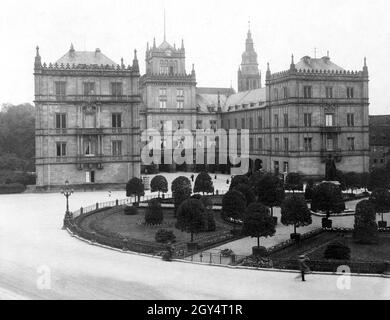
168	96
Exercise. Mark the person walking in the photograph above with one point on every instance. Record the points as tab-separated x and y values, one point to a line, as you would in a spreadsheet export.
192	178
303	266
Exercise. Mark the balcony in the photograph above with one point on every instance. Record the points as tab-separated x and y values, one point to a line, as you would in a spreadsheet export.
336	154
89	131
330	129
88	98
89	160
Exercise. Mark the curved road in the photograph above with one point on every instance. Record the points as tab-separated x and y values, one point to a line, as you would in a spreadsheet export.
38	260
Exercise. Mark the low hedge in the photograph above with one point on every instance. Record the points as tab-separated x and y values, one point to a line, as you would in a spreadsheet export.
12	188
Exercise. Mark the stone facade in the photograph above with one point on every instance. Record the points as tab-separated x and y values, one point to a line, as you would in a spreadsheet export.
379	141
87	120
90	112
313	111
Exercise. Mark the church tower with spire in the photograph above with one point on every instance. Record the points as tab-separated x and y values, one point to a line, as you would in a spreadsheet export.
249	76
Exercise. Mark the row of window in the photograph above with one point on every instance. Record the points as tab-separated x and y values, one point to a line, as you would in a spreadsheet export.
163	98
89	148
88	89
308	92
179	92
307	144
61	122
180	124
307	121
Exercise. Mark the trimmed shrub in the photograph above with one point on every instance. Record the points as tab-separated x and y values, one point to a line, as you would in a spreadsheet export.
258	222
243	179
159	184
131	211
233	205
247	191
327	197
154	213
294	181
295	212
203	183
337	251
181	190
165	236
190	217
12	188
365	229
135	187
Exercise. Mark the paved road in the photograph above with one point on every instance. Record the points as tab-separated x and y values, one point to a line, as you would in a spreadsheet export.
38	260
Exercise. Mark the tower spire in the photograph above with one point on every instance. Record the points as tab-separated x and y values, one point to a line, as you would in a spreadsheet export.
164	26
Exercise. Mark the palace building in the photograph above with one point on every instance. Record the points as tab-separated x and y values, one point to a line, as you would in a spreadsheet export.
91	111
313	112
87	120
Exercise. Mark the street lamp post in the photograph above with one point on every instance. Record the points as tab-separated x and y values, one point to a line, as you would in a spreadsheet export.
66	191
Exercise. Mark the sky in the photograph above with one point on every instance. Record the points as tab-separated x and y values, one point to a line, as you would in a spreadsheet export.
214	33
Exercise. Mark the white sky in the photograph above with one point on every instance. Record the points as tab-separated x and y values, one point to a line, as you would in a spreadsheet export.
214	33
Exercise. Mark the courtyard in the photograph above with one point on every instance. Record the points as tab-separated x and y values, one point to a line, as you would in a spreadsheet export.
32	241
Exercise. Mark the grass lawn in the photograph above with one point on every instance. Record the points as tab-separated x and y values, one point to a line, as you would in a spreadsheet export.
115	221
362	252
314	248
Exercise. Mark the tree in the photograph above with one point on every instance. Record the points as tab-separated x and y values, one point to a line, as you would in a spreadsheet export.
159	184
340	177
247	191
352	180
258	222
270	191
236	180
309	189
327	197
181	190
379	178
17	136
154	213
295	212
135	187
380	198
294	181
210	224
365	229
190	216
203	183
233	205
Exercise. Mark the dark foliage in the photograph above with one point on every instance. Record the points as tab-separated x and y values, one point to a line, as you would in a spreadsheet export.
294	181
365	228
327	197
258	222
203	183
135	187
337	251
154	213
165	236
159	184
181	190
233	205
243	179
295	212
190	216
247	191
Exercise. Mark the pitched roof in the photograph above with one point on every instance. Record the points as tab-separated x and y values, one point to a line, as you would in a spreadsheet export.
206	101
165	45
382	120
323	63
85	57
209	90
255	96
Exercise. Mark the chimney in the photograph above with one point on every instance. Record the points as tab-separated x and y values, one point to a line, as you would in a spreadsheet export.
97	51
